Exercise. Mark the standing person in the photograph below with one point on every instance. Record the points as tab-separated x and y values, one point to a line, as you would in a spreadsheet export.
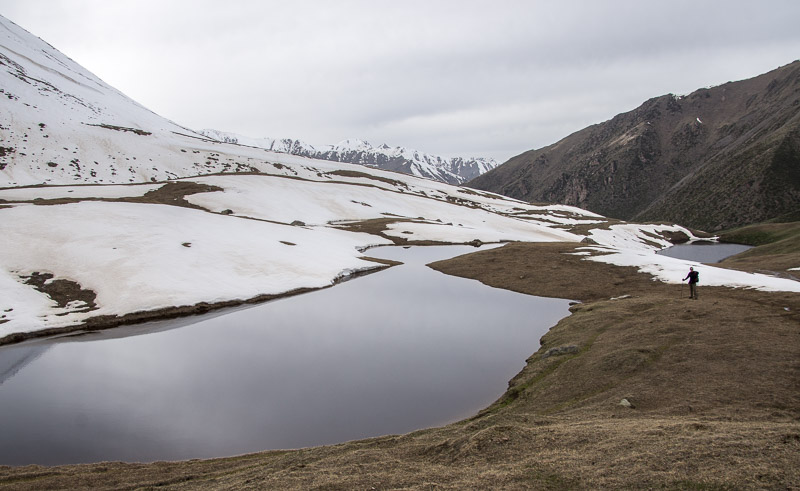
694	277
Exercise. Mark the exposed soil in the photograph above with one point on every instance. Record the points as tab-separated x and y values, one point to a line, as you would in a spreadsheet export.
122	128
712	389
171	193
378	226
62	291
365	175
174	193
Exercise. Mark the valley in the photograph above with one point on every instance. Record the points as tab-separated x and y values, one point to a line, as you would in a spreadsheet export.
111	215
692	420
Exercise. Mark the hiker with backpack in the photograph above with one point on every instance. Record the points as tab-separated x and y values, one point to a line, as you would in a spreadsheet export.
693	277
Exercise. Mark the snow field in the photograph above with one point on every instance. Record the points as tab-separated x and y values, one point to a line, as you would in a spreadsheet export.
63	125
139	257
628	245
76	192
144	257
271	198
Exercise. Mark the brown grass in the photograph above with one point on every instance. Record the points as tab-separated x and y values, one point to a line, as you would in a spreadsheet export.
714	383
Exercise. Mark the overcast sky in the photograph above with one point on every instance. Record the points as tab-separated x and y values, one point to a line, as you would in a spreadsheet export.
454	78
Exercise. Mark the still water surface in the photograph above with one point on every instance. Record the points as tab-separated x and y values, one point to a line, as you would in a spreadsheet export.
391	352
704	252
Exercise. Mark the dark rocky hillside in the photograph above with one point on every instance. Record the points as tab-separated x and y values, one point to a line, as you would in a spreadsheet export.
717	158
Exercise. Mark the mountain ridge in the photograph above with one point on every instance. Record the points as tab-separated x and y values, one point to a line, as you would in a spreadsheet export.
716	158
455	170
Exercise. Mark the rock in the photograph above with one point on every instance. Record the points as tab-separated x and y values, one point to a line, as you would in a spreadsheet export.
627	403
559	351
226	212
298	223
675	237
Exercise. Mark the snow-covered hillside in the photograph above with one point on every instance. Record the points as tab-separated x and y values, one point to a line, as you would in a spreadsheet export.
72	253
61	124
456	170
151	233
130	224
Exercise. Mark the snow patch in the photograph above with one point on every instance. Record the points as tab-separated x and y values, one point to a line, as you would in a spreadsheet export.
636	245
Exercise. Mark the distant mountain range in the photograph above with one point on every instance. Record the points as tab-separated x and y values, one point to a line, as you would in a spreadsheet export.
716	158
455	170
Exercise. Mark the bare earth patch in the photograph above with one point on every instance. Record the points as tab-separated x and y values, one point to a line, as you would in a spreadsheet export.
713	392
62	291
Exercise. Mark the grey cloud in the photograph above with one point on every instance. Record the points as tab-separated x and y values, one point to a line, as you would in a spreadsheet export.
484	78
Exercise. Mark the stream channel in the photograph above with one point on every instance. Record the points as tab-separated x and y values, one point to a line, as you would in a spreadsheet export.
388	353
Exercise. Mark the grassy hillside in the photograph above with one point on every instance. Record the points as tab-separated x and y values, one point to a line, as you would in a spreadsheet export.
783	237
776	248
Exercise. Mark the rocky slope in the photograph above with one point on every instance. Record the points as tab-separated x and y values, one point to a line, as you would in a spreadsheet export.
716	158
456	170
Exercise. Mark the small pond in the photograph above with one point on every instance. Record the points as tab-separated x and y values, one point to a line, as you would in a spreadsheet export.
387	353
704	252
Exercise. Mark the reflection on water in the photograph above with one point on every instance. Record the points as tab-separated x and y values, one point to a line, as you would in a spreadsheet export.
391	352
14	358
704	252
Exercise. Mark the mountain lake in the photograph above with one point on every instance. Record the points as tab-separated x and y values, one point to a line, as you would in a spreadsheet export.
704	252
388	353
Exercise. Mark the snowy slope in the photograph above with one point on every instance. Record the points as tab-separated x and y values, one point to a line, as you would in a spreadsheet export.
60	124
141	246
456	170
130	220
636	244
241	237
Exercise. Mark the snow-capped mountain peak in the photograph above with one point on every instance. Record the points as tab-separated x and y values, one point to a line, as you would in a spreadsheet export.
456	170
353	144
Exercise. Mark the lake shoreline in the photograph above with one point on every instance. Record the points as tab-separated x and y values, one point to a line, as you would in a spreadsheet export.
104	322
680	364
266	354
